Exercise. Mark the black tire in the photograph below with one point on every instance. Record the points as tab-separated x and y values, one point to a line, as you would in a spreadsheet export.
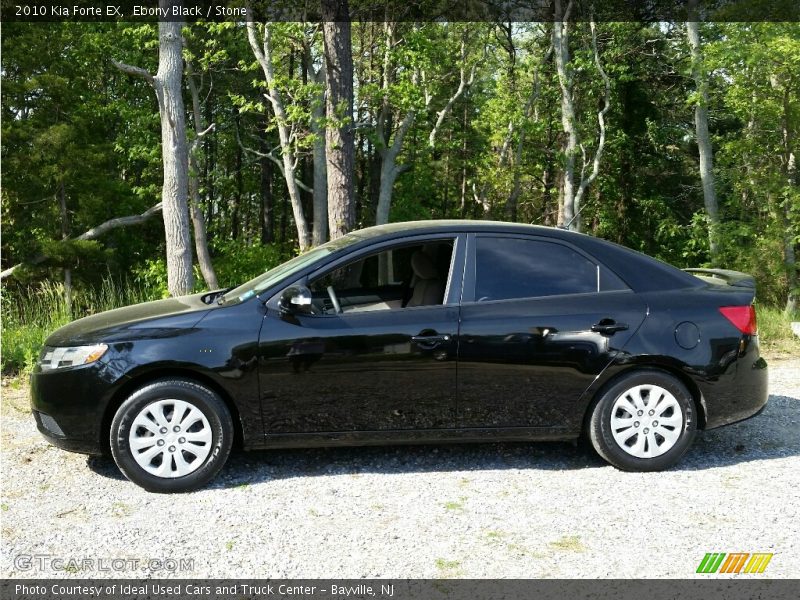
600	429
206	401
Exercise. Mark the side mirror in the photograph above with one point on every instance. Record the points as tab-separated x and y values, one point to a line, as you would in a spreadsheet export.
296	300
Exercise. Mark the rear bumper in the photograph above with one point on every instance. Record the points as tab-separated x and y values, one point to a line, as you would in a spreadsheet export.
733	399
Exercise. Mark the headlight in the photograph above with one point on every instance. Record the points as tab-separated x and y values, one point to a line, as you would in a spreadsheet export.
70	356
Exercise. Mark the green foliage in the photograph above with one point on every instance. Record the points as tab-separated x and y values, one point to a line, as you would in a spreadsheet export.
775	332
29	315
153	275
237	263
81	143
234	264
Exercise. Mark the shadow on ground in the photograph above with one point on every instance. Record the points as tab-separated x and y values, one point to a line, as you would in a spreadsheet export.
771	435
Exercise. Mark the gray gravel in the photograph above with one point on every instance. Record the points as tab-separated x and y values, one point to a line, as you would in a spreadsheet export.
496	510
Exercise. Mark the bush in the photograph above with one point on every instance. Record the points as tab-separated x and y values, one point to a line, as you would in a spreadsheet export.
32	313
235	262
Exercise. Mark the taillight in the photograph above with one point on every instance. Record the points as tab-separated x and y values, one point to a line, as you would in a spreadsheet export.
742	317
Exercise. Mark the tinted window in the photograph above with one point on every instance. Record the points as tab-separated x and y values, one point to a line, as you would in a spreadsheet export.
519	268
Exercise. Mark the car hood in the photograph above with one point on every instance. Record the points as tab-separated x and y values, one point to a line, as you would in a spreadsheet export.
161	318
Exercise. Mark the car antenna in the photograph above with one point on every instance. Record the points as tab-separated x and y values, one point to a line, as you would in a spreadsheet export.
575	216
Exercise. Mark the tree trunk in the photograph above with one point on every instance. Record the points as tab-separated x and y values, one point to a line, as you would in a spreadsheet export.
320	196
263	54
390	169
464	82
586	180
566	211
267	200
236	205
198	223
62	202
790	174
571	195
702	135
340	150
168	84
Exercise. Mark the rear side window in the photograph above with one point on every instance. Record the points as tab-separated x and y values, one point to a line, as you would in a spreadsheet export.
508	268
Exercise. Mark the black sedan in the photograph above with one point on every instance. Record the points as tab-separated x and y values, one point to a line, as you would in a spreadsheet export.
409	333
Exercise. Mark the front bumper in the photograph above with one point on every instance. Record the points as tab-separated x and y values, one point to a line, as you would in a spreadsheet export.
69	406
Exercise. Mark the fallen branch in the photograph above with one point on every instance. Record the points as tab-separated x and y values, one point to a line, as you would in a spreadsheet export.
94	233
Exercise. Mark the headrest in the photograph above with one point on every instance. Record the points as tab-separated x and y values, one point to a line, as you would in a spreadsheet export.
423	265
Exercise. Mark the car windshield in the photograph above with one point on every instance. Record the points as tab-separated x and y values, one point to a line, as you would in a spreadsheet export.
265	280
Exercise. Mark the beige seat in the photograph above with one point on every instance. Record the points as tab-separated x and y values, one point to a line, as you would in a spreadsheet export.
429	285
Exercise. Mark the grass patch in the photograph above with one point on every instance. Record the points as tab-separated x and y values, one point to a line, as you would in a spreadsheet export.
775	333
120	510
30	315
455	505
495	535
568	543
448	568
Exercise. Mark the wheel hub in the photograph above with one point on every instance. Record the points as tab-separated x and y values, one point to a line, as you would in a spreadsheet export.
170	438
646	421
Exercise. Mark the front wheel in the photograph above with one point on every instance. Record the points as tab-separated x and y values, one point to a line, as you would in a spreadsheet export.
171	436
645	421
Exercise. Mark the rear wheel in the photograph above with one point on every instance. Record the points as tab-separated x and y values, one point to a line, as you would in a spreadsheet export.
645	421
171	436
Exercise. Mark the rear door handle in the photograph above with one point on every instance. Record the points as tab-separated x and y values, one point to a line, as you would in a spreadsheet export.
608	327
430	341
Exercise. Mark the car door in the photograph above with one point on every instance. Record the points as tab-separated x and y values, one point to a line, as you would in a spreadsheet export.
376	366
539	321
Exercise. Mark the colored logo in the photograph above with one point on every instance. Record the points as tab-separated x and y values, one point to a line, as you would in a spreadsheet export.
734	562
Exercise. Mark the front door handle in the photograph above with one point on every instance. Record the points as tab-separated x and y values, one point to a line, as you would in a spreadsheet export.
430	341
608	327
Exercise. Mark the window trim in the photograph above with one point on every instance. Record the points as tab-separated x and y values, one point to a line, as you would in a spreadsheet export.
470	277
454	286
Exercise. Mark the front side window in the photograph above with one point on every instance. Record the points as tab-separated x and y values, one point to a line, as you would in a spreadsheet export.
399	277
508	268
283	271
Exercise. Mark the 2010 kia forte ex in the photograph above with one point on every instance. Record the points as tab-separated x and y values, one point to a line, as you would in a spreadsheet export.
408	333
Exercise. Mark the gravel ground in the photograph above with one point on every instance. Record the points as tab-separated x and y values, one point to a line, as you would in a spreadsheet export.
496	510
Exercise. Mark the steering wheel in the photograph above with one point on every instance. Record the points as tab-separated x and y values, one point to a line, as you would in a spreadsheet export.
334	300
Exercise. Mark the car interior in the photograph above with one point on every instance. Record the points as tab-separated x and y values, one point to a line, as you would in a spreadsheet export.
399	277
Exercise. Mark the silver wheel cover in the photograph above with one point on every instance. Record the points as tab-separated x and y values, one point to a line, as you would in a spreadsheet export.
170	438
646	421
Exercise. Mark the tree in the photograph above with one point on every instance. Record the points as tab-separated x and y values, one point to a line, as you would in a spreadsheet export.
419	88
340	148
572	195
472	113
701	131
320	230
289	158
198	222
759	64
167	84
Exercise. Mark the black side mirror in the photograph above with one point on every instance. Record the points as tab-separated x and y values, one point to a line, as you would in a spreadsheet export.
296	300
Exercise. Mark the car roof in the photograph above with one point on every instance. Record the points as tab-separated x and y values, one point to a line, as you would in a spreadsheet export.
442	225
